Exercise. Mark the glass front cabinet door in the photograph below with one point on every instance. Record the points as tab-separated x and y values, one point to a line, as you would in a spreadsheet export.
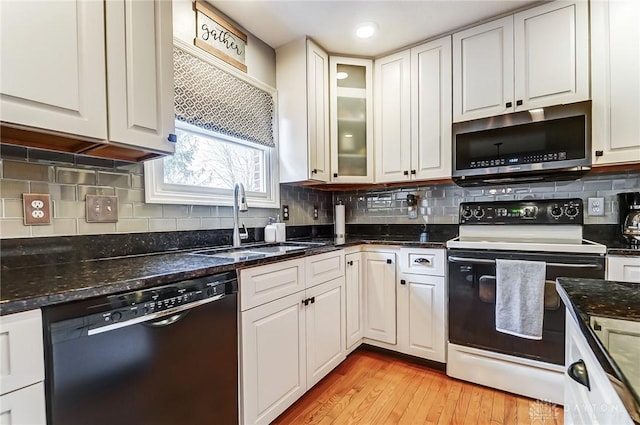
351	120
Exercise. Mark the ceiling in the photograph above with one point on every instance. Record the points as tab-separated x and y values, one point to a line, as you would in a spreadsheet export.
332	23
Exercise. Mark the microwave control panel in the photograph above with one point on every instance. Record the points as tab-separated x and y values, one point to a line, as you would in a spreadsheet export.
539	211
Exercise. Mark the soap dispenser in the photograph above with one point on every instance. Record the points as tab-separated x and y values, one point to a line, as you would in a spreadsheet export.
270	231
281	231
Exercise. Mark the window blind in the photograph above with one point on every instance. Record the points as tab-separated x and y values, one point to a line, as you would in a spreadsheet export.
212	99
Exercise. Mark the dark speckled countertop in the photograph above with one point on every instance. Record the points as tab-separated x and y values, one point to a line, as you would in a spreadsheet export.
25	288
594	298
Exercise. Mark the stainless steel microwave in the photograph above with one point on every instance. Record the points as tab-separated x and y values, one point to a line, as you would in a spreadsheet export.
552	143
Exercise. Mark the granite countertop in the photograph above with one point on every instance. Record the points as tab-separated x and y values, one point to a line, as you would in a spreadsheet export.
587	299
26	288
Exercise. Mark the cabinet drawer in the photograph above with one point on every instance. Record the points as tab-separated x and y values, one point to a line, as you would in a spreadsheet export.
422	261
324	267
259	285
25	406
21	350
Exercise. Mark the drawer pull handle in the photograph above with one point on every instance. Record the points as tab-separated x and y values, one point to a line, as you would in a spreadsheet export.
389	261
578	372
422	260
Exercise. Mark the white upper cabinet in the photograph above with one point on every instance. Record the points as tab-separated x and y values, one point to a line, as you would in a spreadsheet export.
351	94
615	67
53	66
413	113
101	72
302	79
551	55
535	58
392	117
140	73
483	70
431	110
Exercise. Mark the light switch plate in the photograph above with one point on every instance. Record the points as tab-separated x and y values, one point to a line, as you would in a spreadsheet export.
37	209
595	207
102	209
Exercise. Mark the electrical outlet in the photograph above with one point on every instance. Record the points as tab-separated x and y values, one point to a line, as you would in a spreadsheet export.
595	207
285	212
37	209
315	212
102	209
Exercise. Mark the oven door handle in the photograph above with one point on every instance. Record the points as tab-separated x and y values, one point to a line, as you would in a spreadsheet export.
454	259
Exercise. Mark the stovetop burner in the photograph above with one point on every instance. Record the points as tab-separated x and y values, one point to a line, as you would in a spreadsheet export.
550	225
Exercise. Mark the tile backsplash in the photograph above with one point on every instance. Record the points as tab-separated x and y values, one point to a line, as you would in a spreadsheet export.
438	203
69	178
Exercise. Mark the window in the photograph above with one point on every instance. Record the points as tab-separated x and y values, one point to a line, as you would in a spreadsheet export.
229	142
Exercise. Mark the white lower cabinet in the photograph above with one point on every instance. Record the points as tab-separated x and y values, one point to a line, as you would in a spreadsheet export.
324	323
623	269
353	293
22	399
421	316
273	358
290	343
24	407
596	402
380	296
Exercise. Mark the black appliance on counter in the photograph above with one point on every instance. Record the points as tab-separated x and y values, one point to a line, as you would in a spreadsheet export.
164	356
552	143
548	231
629	216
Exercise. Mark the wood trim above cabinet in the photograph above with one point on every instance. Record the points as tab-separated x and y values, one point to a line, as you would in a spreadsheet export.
52	141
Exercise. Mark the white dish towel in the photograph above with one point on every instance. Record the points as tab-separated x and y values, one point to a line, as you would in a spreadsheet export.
520	297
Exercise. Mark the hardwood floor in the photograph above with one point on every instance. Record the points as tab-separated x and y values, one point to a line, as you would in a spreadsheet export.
374	388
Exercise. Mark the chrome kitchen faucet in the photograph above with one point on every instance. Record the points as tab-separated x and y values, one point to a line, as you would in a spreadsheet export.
238	235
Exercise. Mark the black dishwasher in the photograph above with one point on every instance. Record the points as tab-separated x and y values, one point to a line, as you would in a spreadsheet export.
164	355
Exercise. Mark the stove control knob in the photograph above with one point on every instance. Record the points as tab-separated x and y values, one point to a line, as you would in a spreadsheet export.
116	316
466	213
479	213
556	211
572	211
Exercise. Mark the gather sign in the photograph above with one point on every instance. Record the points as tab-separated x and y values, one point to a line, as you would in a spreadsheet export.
218	37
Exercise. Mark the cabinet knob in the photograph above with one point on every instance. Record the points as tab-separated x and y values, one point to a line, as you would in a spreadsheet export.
518	102
312	300
413	171
578	372
406	172
172	138
335	175
389	261
314	171
403	282
350	263
305	302
599	153
508	105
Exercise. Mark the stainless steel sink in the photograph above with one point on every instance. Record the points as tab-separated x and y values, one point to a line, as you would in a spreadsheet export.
256	251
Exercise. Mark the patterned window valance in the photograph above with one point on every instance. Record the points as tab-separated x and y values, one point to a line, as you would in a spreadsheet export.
210	98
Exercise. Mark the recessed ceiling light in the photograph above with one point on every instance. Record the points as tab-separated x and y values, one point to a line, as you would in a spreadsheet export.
342	75
366	29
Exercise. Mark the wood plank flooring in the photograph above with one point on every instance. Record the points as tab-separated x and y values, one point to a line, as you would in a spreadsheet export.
374	388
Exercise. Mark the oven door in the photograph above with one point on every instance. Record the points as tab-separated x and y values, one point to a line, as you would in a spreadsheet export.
472	301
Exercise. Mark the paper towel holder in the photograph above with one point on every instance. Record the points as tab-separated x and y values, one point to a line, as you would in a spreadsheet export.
339	234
